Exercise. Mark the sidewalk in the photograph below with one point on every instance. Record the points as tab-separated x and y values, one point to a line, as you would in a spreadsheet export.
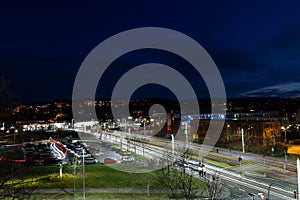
108	190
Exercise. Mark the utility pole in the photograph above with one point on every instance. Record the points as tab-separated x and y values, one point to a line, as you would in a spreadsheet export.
144	127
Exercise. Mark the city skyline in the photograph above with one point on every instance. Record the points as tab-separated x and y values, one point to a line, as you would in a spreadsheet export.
254	45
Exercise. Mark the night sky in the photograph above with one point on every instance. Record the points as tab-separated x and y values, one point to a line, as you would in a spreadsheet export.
255	44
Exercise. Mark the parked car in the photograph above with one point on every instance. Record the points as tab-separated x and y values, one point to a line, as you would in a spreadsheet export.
90	161
98	153
109	161
124	153
71	146
127	159
113	148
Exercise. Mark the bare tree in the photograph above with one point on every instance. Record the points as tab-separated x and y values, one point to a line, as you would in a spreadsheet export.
177	178
13	182
216	189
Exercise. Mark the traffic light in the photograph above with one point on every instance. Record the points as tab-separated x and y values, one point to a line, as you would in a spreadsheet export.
295	194
251	195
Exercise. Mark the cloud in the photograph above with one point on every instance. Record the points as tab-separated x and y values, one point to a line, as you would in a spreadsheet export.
288	39
288	90
272	69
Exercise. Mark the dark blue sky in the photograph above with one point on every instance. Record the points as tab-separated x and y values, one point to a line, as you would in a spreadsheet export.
255	44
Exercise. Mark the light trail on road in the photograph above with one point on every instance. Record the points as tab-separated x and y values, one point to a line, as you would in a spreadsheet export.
154	148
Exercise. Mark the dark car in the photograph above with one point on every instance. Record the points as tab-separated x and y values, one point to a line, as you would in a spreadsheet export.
71	146
124	153
114	148
90	160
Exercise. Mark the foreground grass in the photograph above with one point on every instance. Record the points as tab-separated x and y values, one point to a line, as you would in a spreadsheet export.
96	176
216	163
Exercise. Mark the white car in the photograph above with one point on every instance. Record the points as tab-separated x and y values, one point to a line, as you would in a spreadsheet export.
127	159
99	153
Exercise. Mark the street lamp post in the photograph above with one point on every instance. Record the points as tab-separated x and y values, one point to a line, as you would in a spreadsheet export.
127	144
285	140
184	127
143	145
135	144
144	127
3	127
243	142
16	131
121	141
284	129
172	120
83	175
298	174
173	146
269	188
125	125
285	160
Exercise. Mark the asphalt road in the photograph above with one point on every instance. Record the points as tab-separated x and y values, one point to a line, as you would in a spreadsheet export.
240	184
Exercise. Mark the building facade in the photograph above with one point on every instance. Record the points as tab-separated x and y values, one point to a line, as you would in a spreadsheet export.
258	129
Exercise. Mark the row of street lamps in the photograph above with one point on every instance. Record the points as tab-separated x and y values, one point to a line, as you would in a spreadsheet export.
184	128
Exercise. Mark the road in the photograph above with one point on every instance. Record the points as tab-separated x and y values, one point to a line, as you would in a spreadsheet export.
236	179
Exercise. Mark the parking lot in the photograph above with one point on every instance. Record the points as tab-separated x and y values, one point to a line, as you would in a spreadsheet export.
65	151
103	151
